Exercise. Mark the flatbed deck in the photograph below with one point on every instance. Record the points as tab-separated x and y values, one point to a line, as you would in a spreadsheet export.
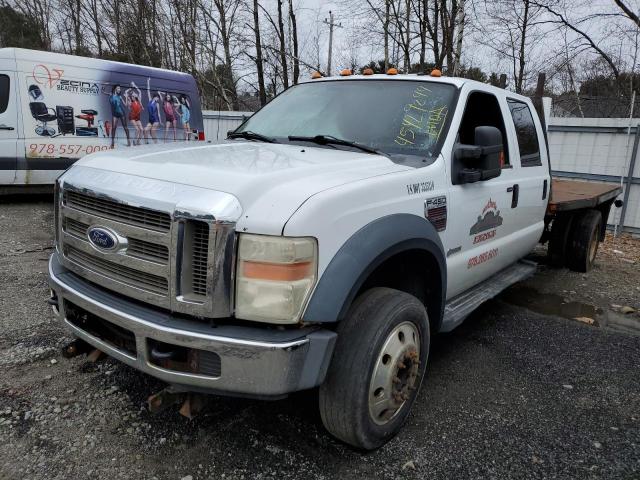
569	195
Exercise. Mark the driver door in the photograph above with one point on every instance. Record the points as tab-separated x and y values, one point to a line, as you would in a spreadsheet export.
478	239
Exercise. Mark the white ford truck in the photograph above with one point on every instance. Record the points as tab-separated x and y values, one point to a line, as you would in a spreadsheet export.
322	245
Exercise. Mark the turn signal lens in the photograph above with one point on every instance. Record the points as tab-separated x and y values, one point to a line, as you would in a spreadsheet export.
274	271
275	276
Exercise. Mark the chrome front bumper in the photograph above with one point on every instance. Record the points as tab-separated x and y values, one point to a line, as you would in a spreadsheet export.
254	361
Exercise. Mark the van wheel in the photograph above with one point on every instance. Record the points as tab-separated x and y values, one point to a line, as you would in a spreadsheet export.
559	240
377	368
584	241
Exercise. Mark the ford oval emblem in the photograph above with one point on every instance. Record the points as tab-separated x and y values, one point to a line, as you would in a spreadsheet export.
102	239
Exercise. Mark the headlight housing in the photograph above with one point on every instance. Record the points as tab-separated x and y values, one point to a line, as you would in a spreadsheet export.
274	277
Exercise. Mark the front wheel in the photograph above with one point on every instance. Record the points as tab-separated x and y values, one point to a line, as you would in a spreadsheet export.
376	369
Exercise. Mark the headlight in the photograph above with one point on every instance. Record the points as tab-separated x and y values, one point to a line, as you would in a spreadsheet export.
274	278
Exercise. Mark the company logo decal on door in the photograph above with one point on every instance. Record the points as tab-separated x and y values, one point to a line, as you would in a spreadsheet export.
488	221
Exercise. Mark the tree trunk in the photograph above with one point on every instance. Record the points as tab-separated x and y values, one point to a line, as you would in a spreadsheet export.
407	44
227	82
386	34
461	21
522	53
283	53
296	58
262	93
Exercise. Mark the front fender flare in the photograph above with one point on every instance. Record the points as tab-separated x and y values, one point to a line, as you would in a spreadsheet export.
362	253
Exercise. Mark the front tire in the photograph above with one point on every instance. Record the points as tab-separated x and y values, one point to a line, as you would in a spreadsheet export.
377	368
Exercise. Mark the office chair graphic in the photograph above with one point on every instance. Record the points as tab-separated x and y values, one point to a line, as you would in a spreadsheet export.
41	113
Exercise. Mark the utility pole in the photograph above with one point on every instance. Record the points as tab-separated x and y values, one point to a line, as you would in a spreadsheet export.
331	26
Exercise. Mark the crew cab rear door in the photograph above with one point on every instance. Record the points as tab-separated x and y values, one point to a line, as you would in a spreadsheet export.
530	153
482	236
8	127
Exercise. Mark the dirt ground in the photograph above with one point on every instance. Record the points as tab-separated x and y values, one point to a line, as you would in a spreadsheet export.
541	382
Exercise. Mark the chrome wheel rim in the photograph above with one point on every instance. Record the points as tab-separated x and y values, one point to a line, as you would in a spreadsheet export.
395	373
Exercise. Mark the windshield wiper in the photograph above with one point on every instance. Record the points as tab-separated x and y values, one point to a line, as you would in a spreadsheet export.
330	140
249	135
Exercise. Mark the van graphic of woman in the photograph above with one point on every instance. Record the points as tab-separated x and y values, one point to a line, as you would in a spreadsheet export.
170	114
135	109
185	116
118	114
153	108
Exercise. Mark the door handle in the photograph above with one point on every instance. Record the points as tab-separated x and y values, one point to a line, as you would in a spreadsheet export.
514	191
5	127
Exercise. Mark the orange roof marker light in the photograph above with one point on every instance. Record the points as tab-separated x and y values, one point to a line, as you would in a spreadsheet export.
436	73
392	71
367	71
315	75
345	73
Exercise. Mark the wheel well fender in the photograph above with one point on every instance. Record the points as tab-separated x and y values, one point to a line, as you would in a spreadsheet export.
363	253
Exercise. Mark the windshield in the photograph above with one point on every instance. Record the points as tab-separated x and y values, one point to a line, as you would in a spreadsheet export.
395	117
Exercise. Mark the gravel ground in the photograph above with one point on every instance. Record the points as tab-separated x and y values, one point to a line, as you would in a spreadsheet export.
521	390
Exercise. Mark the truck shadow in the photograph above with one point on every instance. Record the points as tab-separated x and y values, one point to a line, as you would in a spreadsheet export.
291	424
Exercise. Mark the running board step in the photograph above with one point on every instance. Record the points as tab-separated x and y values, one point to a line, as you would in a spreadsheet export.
459	307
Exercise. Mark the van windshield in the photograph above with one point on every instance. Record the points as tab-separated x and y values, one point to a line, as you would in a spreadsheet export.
394	117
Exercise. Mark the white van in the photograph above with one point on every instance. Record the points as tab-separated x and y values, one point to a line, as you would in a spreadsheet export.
56	108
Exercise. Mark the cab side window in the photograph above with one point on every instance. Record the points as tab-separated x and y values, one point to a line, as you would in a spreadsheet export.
483	109
526	133
4	93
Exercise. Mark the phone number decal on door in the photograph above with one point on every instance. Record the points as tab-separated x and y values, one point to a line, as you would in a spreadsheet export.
63	150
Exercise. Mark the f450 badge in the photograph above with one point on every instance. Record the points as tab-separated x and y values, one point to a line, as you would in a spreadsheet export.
435	210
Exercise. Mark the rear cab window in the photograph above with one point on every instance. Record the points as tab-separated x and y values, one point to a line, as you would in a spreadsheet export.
526	133
4	93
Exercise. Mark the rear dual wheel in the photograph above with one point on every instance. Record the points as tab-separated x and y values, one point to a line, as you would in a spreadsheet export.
376	369
584	241
574	240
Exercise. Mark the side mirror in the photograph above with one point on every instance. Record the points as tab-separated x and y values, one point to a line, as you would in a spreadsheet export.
480	161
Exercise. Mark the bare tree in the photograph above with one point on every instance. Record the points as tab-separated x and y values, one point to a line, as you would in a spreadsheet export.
294	41
259	62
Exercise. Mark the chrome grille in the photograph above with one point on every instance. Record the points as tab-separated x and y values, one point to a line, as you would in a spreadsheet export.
148	251
75	228
180	240
105	208
135	278
200	256
137	248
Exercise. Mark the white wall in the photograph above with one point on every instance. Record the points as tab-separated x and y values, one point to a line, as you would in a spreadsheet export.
597	149
217	124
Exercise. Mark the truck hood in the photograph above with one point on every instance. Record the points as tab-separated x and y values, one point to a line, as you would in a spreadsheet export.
270	181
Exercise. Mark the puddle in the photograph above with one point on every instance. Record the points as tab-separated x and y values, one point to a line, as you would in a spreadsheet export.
552	304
